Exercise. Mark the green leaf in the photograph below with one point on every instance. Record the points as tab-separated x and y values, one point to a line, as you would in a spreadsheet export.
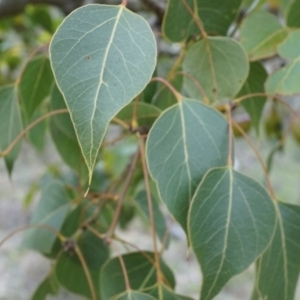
146	113
186	140
231	222
69	270
51	211
285	81
133	295
98	79
160	221
216	17
167	293
49	286
35	84
220	66
164	98
254	84
37	134
141	274
278	268
261	33
10	123
293	16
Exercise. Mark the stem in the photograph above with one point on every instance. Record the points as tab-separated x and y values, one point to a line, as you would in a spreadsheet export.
150	206
264	168
114	222
196	19
43	226
124	3
197	84
29	127
230	137
87	273
121	123
177	95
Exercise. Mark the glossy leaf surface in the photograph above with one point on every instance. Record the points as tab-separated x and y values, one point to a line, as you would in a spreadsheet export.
254	84
219	65
188	139
11	123
260	35
51	212
35	83
140	270
285	81
231	222
216	17
102	57
278	268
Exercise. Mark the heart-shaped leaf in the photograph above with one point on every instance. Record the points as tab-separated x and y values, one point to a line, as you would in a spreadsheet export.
186	141
102	57
278	268
220	66
231	222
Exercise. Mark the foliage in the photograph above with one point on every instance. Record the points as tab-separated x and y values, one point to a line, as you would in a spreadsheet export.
138	128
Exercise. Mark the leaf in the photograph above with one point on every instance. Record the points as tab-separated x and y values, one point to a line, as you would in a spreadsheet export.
261	33
49	286
102	57
285	80
159	219
220	66
10	123
37	134
35	84
51	212
216	17
133	295
146	113
167	293
69	270
231	222
141	274
164	98
293	16
254	84
187	139
278	268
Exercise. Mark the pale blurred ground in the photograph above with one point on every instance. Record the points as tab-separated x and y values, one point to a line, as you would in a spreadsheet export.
22	270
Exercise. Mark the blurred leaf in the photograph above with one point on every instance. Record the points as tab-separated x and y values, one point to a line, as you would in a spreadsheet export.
254	84
49	286
37	134
146	113
133	295
220	66
69	270
30	195
40	16
51	211
141	274
231	222
278	268
113	77
167	293
261	33
293	15
216	17
10	123
164	98
177	160
159	219
35	83
285	81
